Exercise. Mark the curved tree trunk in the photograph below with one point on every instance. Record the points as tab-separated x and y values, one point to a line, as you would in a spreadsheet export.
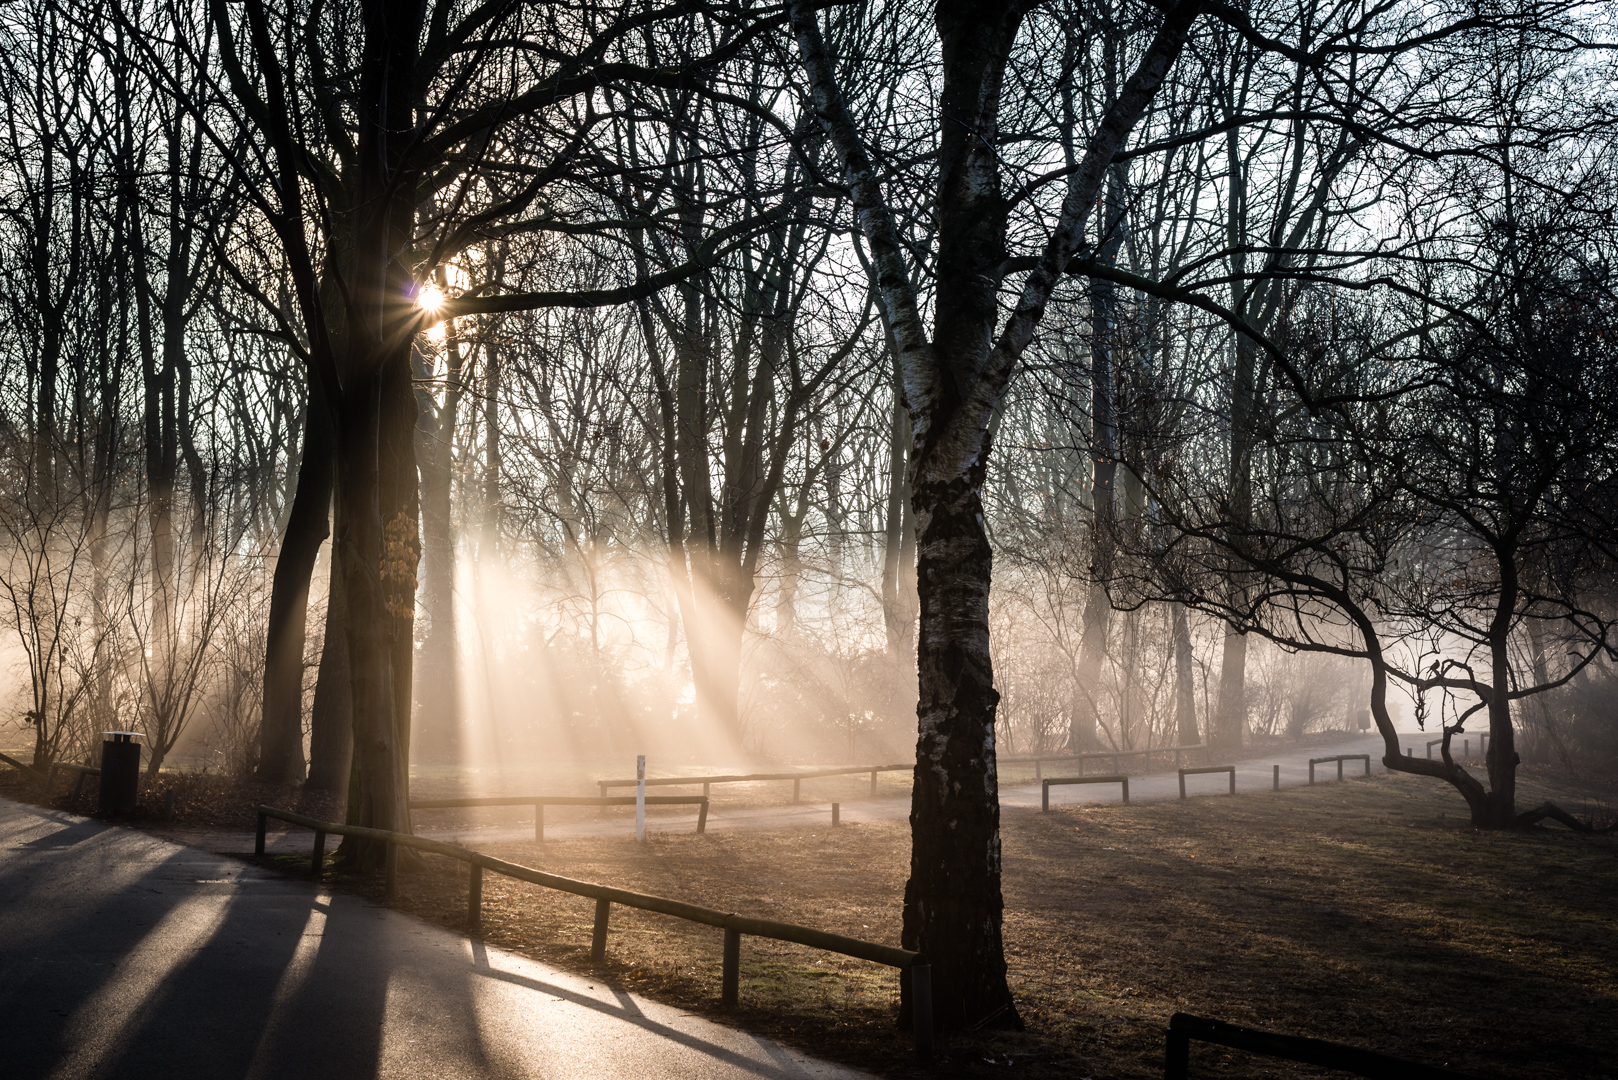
331	731
281	732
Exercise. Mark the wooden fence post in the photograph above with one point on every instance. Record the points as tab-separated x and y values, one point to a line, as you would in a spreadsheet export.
317	859
1233	781
731	975
1339	770
873	783
1045	796
1126	791
835	808
1182	785
921	1009
702	817
474	898
539	822
258	844
796	786
1039	769
598	942
1276	782
1177	1056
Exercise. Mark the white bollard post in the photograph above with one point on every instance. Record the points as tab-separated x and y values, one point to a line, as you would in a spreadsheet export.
640	798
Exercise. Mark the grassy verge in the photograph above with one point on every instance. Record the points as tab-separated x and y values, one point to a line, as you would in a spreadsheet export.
1367	913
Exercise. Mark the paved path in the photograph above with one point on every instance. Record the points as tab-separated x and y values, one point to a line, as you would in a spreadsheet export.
1251	775
125	956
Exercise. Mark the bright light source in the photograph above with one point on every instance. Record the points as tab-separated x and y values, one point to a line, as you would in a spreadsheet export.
430	298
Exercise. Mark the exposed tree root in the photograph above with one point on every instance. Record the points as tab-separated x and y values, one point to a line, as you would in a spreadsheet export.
1556	813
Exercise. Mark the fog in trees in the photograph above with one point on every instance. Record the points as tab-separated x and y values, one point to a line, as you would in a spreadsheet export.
511	389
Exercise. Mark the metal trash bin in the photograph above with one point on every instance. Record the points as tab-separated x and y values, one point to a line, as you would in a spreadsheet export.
120	772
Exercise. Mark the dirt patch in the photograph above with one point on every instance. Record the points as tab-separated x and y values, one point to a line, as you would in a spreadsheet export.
1367	913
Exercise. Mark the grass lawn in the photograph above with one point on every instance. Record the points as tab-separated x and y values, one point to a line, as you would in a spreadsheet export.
1367	913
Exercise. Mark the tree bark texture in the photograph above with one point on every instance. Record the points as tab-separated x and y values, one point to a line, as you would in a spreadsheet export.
378	541
952	385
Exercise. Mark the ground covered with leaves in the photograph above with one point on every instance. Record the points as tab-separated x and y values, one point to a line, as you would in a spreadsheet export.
1367	913
180	799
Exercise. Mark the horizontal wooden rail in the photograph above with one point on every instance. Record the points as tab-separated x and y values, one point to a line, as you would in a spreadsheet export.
1115	756
15	764
1339	758
539	802
68	766
1193	771
735	926
1329	1055
797	778
1045	786
1419	737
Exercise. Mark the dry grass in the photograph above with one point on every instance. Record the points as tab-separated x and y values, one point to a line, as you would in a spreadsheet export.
1367	913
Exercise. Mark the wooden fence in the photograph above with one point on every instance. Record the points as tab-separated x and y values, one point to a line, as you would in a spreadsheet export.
1045	786
78	783
1231	769
540	802
1339	758
15	764
1329	1055
797	778
1115	756
910	964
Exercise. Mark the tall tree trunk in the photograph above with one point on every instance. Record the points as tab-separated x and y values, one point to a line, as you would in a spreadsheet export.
331	720
378	542
1085	717
1230	707
898	573
1185	696
953	384
437	686
953	904
281	735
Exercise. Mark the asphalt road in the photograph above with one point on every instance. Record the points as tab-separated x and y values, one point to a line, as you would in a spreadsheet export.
125	956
